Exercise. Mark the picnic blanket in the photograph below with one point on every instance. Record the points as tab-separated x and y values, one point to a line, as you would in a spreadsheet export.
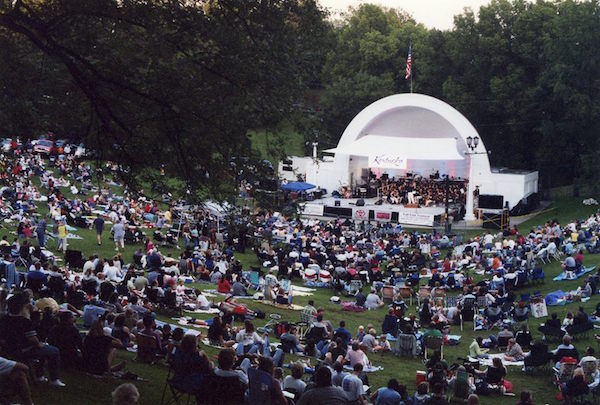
351	306
173	326
558	298
215	292
488	361
317	284
69	236
586	270
184	322
366	369
203	311
292	307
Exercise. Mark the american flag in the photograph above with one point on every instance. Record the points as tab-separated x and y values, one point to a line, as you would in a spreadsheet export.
408	63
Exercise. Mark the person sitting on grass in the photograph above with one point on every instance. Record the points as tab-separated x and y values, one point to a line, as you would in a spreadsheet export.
99	351
66	337
514	352
476	351
263	388
356	355
218	334
422	394
189	365
21	340
294	381
14	375
353	386
125	394
576	386
248	340
373	301
224	285
388	395
323	392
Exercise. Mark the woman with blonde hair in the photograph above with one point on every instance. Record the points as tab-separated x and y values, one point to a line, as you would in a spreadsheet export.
125	394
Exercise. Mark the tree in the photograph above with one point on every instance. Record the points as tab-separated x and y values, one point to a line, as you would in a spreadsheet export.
173	83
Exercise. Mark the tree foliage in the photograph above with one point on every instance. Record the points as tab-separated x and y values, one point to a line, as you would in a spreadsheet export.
525	74
180	83
173	83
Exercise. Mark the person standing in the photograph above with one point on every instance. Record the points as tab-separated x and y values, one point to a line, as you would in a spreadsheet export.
40	230
119	234
62	235
99	227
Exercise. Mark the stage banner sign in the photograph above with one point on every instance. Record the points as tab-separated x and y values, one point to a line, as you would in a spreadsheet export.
413	218
386	161
383	216
313	209
360	214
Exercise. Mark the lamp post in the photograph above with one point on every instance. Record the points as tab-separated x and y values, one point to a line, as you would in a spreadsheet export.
472	144
447	225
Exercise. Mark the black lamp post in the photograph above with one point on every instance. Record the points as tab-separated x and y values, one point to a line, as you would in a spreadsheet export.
447	226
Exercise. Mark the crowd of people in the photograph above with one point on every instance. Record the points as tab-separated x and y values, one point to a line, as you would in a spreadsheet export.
422	191
118	301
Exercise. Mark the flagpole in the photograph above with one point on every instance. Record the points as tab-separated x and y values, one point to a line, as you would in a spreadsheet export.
411	70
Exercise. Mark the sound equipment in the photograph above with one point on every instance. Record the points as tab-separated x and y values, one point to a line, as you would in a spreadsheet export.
360	202
379	202
490	220
489	201
338	203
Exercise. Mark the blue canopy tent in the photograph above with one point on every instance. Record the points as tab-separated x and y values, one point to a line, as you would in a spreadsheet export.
297	186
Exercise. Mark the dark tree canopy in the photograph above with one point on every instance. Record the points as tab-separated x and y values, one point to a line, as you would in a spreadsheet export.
525	74
180	83
152	83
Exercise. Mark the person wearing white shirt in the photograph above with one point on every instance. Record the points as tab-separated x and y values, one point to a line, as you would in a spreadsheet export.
112	273
201	301
88	265
373	301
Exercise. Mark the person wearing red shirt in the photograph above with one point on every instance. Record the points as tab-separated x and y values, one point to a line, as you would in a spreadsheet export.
224	286
579	258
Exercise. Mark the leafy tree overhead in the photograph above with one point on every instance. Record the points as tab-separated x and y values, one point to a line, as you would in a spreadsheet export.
171	83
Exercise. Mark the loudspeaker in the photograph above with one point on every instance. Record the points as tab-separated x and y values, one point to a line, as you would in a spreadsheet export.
379	202
338	203
491	220
360	202
494	202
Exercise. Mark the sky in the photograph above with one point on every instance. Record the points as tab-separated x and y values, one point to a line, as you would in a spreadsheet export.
432	13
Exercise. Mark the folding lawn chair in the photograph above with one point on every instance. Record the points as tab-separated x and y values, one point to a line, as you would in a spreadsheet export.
406	293
434	343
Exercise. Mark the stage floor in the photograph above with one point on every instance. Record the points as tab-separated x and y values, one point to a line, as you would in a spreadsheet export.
370	203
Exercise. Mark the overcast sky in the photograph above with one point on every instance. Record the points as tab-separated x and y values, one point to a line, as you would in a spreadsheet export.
432	13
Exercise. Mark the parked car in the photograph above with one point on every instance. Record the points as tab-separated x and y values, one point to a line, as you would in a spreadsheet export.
44	146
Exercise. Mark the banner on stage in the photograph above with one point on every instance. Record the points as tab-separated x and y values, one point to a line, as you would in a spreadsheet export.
383	216
313	209
360	214
386	161
413	218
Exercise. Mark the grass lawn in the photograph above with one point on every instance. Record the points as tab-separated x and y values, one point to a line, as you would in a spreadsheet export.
84	389
286	139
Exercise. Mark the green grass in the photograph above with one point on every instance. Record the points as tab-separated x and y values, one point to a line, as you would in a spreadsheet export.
286	139
82	388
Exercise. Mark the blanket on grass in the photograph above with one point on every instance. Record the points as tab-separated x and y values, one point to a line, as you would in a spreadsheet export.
488	361
562	276
559	298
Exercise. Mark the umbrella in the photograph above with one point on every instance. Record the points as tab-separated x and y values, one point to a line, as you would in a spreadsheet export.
297	186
